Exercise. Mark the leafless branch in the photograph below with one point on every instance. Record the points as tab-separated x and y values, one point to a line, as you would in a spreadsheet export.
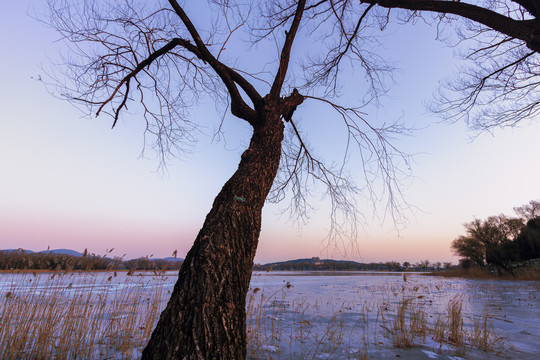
275	91
302	171
500	42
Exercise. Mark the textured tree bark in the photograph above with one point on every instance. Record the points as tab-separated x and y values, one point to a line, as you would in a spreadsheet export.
205	317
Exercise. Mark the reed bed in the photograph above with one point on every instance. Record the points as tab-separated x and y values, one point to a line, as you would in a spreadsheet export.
86	316
69	316
401	318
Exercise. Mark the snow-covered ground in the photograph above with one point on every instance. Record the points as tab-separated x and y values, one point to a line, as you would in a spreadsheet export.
339	315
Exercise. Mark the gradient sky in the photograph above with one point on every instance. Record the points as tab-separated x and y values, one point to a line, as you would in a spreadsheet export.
69	181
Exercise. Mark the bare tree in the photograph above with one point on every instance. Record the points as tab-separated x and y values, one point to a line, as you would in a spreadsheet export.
159	58
471	249
162	60
528	211
490	241
423	264
499	86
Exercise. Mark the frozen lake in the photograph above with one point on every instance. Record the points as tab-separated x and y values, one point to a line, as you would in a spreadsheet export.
363	307
291	315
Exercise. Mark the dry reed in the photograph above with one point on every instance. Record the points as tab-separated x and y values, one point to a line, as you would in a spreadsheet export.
409	325
73	316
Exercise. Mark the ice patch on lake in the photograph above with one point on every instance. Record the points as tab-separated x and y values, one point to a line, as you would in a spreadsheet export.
270	348
430	354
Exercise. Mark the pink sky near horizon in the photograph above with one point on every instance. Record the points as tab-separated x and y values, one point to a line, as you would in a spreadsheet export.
133	240
70	182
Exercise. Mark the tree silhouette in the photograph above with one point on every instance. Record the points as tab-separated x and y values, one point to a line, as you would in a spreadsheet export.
159	58
471	249
490	241
501	241
528	241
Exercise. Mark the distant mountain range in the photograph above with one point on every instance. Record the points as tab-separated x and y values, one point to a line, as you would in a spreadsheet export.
55	251
170	258
62	252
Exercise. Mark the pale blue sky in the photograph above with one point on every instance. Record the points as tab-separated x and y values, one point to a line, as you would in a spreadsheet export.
68	181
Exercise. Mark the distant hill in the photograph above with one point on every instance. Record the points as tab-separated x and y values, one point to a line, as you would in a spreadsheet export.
62	252
316	263
55	251
170	258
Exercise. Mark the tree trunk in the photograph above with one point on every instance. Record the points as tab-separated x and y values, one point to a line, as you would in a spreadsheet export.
206	316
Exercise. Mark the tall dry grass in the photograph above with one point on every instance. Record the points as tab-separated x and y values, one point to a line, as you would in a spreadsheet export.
456	333
409	324
69	316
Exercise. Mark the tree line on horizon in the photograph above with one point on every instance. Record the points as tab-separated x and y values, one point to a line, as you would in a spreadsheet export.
500	242
24	260
317	264
49	261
